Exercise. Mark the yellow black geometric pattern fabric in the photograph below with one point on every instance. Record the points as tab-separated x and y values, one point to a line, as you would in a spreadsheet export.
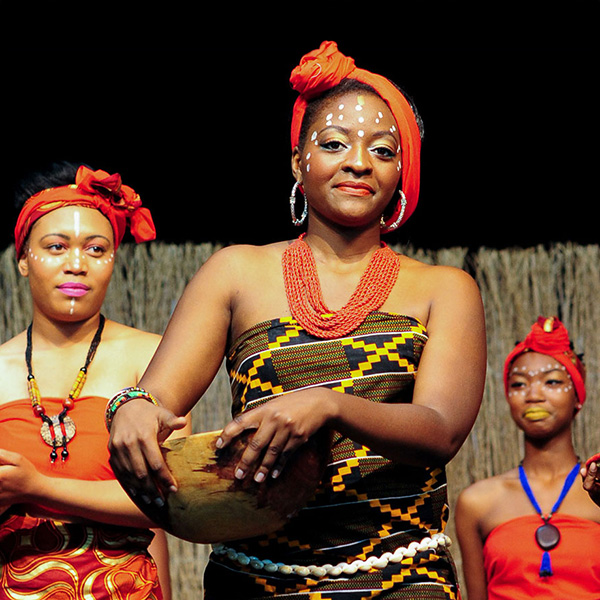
366	505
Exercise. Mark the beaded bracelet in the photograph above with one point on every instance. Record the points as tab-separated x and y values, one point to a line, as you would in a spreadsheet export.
122	397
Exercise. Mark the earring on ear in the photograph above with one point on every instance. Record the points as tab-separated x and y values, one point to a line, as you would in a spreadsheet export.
302	218
398	220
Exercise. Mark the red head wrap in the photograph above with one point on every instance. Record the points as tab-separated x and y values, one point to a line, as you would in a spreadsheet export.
549	336
323	69
92	189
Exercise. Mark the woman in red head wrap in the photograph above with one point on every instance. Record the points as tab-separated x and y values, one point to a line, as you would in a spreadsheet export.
66	527
331	331
522	532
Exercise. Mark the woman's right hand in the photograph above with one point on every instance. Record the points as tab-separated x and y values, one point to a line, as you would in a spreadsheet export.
19	479
137	429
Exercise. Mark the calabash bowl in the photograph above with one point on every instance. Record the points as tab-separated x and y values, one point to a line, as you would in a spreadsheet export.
212	506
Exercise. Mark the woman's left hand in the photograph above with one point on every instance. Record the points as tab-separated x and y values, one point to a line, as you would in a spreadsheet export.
591	478
281	426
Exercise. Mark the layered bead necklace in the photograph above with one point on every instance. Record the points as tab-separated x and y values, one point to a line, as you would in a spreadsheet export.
58	430
305	298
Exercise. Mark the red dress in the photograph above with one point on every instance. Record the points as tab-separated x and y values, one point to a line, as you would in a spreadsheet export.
512	560
44	558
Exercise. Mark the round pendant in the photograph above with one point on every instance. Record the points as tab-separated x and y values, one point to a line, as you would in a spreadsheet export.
57	439
547	536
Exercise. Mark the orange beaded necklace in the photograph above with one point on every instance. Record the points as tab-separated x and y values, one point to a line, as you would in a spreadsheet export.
305	298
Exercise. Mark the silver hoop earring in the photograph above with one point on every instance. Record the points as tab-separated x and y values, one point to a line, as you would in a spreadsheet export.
397	222
295	221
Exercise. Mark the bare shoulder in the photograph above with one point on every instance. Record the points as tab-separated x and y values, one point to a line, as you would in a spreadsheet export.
489	502
12	355
139	346
246	254
437	294
437	275
484	492
12	346
237	270
130	337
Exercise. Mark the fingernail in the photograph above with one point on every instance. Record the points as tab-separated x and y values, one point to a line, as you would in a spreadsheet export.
219	443
239	474
159	502
145	498
260	476
173	489
275	473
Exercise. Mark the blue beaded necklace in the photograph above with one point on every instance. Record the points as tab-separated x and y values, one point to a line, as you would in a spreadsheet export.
547	535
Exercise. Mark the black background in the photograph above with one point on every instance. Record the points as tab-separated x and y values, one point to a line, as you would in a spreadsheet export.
193	108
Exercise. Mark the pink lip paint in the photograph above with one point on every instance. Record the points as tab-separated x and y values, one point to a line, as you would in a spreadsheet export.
74	290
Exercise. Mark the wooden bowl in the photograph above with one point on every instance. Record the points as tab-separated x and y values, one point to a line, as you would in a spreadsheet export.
212	506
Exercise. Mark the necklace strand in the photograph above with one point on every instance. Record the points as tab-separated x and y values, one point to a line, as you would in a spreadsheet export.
59	429
305	297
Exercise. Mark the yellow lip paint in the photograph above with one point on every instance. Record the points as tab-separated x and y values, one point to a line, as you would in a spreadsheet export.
536	414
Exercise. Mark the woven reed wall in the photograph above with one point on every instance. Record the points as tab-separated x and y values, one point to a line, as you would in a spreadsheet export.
517	285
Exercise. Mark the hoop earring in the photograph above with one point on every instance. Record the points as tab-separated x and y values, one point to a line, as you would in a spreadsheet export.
397	222
295	221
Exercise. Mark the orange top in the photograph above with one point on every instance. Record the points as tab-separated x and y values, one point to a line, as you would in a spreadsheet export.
512	560
88	450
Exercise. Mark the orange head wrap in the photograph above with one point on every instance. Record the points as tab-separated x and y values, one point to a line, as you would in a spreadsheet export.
92	189
549	336
323	69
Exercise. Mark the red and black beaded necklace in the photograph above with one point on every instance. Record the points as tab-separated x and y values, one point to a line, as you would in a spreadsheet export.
58	430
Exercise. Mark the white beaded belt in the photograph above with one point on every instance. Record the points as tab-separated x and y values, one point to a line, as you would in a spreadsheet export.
373	562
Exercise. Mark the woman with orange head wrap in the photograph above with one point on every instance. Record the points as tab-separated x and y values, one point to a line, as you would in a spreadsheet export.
521	532
330	331
67	529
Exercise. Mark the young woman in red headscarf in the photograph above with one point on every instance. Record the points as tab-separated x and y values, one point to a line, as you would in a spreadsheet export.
524	533
331	330
67	528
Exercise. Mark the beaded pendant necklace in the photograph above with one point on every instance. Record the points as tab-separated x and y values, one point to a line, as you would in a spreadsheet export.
305	298
547	535
58	430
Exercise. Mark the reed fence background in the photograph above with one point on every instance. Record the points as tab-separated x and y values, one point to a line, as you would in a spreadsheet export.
516	284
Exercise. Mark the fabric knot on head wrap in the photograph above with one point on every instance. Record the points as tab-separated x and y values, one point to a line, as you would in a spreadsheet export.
550	337
119	203
325	68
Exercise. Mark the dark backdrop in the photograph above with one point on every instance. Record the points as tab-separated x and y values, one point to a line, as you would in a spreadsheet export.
198	124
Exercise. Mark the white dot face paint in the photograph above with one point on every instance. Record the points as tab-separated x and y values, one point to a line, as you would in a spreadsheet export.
354	132
77	222
76	258
540	388
70	260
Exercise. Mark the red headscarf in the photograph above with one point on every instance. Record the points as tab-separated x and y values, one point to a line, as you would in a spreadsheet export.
549	336
92	189
323	69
